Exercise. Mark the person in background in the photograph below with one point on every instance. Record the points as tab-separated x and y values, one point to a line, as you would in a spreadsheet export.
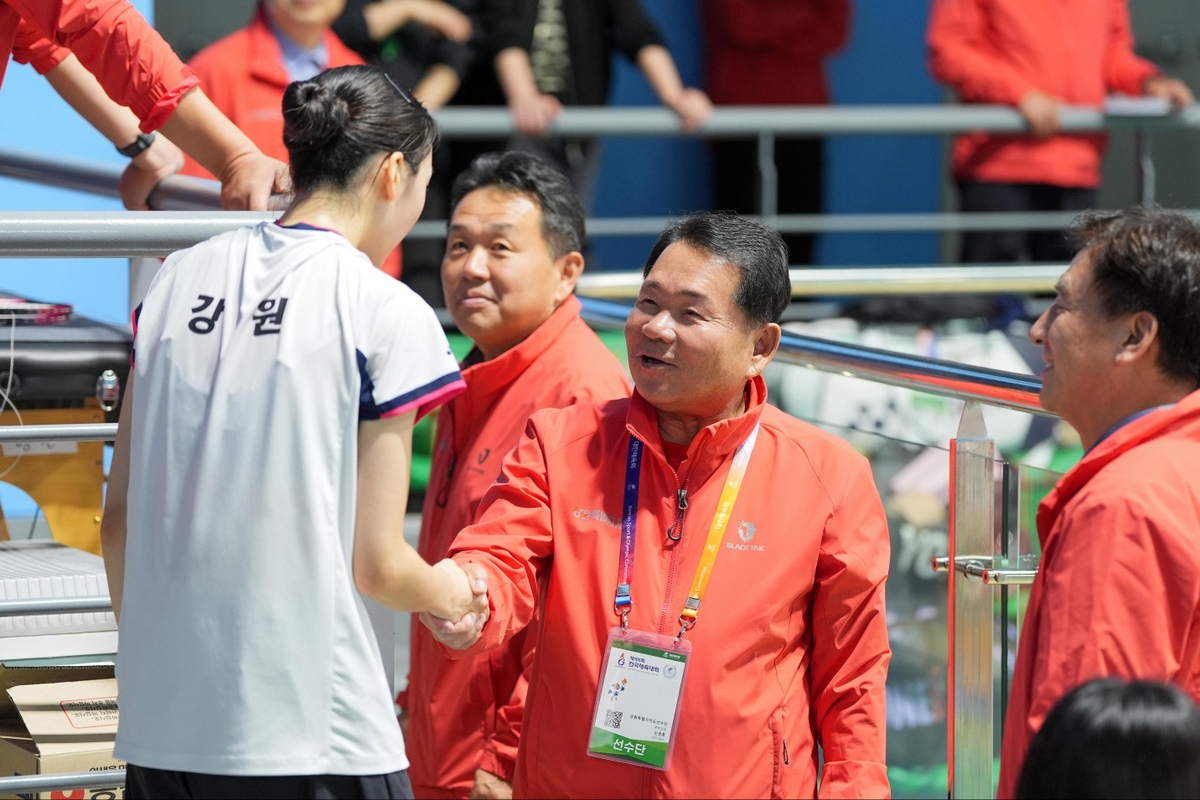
137	70
247	72
554	53
264	451
425	44
767	54
513	255
1118	589
604	513
1110	738
1037	57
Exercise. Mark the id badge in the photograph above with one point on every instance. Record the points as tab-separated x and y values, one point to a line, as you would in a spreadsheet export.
637	705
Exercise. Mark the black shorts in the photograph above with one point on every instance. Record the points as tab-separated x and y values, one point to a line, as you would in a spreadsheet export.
144	783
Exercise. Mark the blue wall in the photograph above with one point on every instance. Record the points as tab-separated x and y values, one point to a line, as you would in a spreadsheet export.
36	119
882	63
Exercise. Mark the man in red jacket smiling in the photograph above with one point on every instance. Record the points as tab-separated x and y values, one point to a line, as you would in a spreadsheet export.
604	515
1118	589
512	259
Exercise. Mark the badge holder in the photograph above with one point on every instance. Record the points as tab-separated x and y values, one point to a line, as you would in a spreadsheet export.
637	706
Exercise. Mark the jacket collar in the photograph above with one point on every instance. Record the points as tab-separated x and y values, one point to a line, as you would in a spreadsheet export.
486	378
718	440
266	57
1182	418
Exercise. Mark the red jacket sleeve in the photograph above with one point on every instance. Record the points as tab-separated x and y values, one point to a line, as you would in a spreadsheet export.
956	57
31	47
512	539
499	755
1116	611
850	651
1123	71
132	62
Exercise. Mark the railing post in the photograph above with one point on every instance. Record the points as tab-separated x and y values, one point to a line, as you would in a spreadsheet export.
768	178
972	539
1145	165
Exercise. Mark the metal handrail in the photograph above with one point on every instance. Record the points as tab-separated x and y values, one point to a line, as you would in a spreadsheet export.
62	782
70	432
902	279
182	193
54	605
156	234
750	121
949	379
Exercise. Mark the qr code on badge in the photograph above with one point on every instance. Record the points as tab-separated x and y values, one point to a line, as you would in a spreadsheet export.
612	719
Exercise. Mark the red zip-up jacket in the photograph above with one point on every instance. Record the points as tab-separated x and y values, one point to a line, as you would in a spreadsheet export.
790	650
994	51
1118	589
113	41
772	52
466	714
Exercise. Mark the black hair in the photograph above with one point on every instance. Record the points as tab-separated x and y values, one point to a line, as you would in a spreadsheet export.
1109	738
335	122
756	251
563	225
1146	259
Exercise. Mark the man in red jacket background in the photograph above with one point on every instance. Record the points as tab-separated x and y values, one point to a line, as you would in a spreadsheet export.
771	53
512	259
1118	589
1037	56
604	513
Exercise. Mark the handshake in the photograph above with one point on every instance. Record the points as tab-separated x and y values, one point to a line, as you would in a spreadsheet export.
459	623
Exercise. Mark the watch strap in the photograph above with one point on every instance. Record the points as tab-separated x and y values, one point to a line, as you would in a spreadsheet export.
143	141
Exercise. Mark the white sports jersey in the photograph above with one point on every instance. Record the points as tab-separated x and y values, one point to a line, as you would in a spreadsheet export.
245	648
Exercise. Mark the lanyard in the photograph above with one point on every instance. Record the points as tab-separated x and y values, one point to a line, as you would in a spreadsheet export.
623	602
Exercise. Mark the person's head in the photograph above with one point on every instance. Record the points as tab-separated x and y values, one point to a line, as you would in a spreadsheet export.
707	316
304	21
513	248
1124	332
1109	738
356	138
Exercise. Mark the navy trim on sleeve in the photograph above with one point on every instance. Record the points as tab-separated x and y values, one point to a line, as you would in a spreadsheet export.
408	398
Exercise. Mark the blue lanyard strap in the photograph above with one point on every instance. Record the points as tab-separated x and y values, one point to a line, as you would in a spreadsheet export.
623	601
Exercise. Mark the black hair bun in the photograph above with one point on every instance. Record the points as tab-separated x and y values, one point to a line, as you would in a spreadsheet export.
312	115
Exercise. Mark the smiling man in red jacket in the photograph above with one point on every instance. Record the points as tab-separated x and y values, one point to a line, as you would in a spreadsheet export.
1118	589
512	259
605	514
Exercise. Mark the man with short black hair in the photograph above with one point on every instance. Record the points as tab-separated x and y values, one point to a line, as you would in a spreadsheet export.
1118	588
512	259
603	514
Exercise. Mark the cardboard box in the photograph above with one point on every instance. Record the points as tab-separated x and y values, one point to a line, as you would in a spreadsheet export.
61	727
40	568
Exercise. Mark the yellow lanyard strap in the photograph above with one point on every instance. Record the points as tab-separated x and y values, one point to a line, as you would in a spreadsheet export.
716	533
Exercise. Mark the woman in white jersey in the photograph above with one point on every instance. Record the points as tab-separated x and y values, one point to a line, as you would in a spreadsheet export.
260	475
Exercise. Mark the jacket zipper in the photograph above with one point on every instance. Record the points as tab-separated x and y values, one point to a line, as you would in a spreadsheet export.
673	541
444	495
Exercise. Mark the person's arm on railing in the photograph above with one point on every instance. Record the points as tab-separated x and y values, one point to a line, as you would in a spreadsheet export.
1128	73
691	105
532	111
113	525
80	89
158	88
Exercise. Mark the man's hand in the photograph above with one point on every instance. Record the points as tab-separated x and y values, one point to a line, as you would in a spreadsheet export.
1173	89
249	179
693	107
533	112
441	18
465	631
146	170
490	787
1041	112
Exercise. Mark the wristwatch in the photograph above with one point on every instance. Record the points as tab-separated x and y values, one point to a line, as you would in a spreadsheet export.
139	145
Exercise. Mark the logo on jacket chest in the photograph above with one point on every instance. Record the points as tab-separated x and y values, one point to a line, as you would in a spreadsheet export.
746	532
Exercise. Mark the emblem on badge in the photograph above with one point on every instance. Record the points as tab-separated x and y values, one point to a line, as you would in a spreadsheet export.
669	671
